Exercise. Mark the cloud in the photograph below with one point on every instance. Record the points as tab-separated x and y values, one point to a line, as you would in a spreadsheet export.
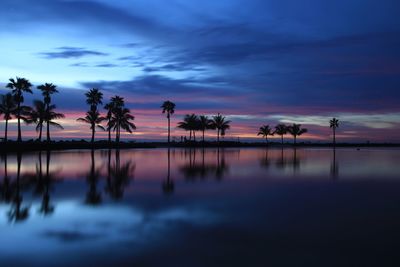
71	52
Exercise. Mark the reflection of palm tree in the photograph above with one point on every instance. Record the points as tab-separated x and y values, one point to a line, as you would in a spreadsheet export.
333	124
46	207
5	187
265	131
169	108
280	163
168	185
296	130
18	87
118	176
334	166
296	160
93	197
281	129
17	212
7	109
222	167
265	162
219	123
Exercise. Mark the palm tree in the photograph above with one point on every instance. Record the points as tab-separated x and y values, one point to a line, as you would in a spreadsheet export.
47	90
116	102
296	130
169	108
38	116
281	129
122	120
265	131
18	87
219	123
204	123
189	123
94	98
7	109
94	119
334	123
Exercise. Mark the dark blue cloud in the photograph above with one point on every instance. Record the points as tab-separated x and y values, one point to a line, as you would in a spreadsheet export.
71	52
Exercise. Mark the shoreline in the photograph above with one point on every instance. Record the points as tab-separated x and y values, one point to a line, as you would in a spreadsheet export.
13	146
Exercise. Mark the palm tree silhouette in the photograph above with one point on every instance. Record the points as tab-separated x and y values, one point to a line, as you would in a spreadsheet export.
189	123
205	123
18	87
265	131
38	116
94	119
296	130
169	108
47	90
219	123
94	98
116	102
7	109
334	123
281	129
122	120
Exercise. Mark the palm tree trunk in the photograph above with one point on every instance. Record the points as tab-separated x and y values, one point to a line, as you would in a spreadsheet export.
169	127
294	140
194	135
48	131
6	131
203	135
218	136
266	139
93	130
109	135
19	122
282	139
334	137
40	133
190	135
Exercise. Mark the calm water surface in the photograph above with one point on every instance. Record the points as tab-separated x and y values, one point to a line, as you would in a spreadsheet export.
182	207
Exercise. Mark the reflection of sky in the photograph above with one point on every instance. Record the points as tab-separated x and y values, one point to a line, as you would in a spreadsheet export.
256	61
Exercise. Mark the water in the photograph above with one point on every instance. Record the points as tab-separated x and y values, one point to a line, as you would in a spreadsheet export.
227	207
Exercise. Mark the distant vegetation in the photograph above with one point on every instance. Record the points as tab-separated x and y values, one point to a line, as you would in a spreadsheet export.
118	117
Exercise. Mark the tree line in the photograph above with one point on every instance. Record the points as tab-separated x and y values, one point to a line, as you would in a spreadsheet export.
117	118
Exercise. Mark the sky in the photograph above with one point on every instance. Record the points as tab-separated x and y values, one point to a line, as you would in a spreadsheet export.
255	61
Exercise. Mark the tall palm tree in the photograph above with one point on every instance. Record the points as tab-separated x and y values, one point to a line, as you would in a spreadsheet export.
265	131
47	90
334	123
18	87
204	123
189	123
169	108
219	123
281	129
116	102
7	109
122	120
94	119
296	130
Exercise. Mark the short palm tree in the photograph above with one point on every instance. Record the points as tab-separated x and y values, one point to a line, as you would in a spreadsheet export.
219	123
116	102
122	120
38	116
94	119
189	123
296	130
169	108
334	123
47	90
281	129
205	124
18	87
7	109
265	131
